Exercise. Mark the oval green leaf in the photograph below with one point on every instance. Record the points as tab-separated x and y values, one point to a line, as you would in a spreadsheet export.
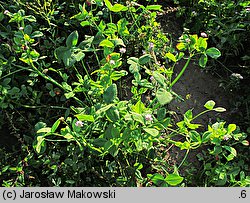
213	52
173	179
72	39
106	43
163	96
209	105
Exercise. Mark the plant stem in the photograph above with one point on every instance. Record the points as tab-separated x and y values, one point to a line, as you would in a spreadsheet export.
85	69
182	71
44	106
183	160
54	82
203	112
152	102
5	76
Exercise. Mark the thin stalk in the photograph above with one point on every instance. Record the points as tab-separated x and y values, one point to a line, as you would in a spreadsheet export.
175	131
135	20
183	160
86	95
97	58
5	76
85	69
110	17
44	106
182	71
152	102
45	76
224	66
57	140
54	82
203	112
156	106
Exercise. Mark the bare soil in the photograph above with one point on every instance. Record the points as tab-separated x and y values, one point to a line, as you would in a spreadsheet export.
196	87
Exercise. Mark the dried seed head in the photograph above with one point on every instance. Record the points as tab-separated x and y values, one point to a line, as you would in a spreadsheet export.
61	119
45	71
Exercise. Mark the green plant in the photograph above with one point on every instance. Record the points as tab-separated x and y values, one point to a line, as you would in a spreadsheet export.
94	136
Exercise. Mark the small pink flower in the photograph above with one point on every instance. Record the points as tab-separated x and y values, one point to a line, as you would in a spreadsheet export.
79	123
148	117
226	137
112	62
248	9
122	50
151	46
204	35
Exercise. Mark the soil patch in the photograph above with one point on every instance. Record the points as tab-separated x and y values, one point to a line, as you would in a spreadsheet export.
196	87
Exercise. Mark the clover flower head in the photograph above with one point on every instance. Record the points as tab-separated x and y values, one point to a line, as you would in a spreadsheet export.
112	62
226	137
204	35
237	75
194	13
122	50
151	46
79	123
5	12
158	63
148	117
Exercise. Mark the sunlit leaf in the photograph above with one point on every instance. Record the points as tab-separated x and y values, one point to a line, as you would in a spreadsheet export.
72	39
55	126
154	7
85	117
209	105
173	179
171	56
106	43
163	96
151	131
181	46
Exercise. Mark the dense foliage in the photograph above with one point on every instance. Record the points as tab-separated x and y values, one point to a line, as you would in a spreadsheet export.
85	88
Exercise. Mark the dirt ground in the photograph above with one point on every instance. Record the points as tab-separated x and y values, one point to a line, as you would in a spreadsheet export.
196	87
